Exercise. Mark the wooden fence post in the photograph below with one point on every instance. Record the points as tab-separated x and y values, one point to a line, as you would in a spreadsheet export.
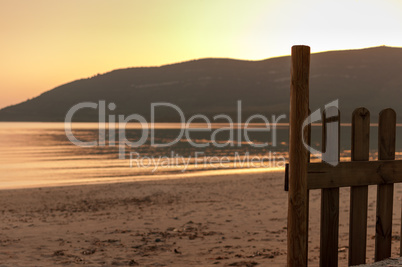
298	158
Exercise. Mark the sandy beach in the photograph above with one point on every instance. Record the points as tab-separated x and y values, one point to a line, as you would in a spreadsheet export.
227	220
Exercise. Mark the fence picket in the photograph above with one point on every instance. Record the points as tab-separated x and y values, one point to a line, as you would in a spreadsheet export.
359	194
385	193
329	198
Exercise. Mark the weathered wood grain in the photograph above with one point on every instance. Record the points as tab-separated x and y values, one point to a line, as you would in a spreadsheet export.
298	158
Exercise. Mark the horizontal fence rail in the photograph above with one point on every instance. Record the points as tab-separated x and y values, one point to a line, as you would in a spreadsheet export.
354	173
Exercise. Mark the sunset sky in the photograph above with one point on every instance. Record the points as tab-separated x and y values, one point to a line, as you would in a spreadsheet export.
45	43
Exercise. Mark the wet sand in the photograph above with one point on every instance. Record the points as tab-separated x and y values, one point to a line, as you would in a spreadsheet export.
232	220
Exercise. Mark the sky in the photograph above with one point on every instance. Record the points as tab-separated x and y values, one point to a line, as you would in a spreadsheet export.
46	43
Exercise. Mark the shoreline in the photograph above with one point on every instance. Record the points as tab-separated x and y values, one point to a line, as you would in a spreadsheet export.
143	178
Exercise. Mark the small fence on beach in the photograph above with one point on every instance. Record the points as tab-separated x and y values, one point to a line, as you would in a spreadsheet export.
357	174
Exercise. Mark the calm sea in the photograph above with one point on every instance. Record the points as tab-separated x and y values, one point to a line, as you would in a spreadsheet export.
40	154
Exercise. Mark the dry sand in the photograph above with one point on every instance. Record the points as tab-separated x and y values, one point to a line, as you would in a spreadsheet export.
233	220
392	262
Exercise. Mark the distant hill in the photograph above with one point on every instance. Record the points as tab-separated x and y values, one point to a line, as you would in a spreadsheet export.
368	77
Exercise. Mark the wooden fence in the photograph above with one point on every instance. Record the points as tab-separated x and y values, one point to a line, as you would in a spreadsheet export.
357	174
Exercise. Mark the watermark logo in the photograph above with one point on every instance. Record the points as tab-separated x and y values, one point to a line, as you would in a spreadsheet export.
232	127
331	111
202	161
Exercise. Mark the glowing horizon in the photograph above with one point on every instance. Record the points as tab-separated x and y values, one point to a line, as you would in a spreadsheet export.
47	43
